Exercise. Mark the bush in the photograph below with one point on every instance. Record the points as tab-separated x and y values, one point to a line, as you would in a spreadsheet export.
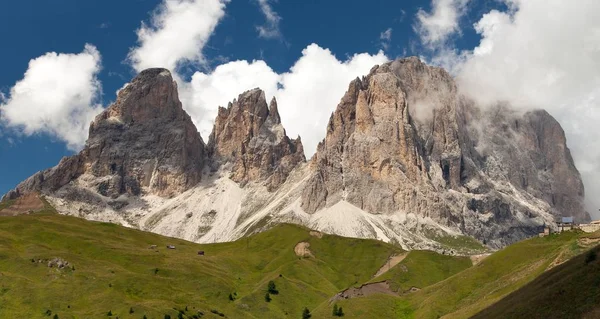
590	256
167	316
55	316
272	289
109	313
306	314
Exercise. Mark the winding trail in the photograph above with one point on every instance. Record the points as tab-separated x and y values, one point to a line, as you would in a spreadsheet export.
390	263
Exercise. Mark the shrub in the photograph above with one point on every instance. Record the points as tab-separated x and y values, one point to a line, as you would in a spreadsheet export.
55	316
167	316
590	256
268	297
272	289
306	314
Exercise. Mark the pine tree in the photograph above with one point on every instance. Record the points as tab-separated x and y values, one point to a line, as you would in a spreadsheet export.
230	297
109	313
335	310
340	312
306	314
131	310
268	297
55	316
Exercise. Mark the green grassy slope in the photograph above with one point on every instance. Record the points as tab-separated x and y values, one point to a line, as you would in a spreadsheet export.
571	290
469	291
423	268
114	270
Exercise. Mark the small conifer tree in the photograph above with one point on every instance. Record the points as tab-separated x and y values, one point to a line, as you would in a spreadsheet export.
306	314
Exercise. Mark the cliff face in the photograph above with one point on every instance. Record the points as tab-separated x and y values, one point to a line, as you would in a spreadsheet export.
144	140
249	136
403	140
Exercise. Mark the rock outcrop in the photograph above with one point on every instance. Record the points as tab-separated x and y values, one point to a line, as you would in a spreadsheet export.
403	140
144	141
249	136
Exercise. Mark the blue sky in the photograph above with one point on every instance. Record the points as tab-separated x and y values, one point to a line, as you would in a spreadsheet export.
450	33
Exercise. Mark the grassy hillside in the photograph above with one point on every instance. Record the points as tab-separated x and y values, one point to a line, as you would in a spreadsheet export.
469	291
111	268
570	290
116	272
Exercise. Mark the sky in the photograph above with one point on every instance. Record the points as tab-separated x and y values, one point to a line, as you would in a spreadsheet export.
63	62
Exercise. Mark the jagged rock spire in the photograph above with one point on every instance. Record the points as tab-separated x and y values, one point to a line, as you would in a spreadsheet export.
249	135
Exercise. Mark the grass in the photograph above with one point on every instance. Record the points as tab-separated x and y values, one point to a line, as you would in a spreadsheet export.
466	291
423	268
472	290
114	270
571	290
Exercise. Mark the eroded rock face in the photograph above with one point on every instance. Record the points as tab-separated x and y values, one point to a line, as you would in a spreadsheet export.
403	139
144	141
249	136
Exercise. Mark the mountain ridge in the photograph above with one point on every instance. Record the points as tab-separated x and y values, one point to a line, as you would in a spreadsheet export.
405	159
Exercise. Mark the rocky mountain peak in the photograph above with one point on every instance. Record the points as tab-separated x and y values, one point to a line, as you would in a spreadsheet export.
145	141
249	136
403	140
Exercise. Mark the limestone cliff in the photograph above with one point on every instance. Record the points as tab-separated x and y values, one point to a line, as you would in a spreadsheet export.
249	136
145	140
403	140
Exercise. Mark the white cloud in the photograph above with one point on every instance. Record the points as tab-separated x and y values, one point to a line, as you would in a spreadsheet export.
435	27
57	96
271	27
178	31
542	54
385	38
307	94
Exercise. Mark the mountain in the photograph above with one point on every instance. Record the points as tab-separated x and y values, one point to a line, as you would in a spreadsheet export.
406	159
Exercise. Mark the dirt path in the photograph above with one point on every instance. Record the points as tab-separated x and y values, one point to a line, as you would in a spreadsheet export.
390	263
476	259
302	250
23	205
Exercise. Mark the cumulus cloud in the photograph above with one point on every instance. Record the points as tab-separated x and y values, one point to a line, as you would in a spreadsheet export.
57	96
435	27
385	38
270	29
178	31
307	94
542	54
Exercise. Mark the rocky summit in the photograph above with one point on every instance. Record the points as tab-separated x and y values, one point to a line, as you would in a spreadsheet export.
145	140
406	158
249	136
404	140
